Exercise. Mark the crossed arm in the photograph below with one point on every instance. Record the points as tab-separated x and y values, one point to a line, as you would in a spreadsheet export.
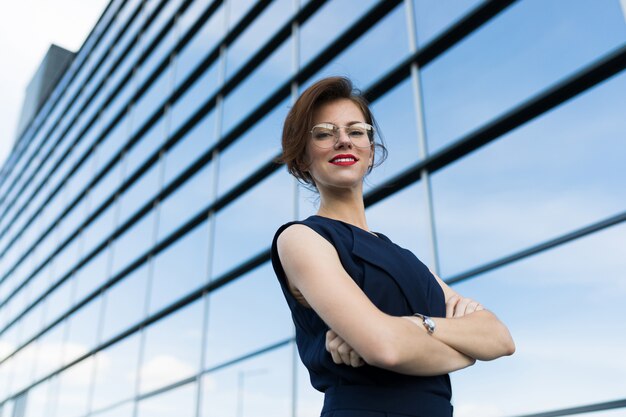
362	333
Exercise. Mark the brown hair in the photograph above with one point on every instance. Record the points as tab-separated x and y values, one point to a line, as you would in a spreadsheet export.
299	119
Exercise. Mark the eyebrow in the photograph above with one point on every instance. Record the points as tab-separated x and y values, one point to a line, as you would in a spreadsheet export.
349	123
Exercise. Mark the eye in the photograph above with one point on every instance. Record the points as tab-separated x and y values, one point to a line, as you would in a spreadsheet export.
321	134
356	132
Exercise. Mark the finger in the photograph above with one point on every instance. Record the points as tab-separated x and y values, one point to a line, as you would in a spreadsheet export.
355	359
459	311
344	352
451	304
471	307
480	307
332	348
330	336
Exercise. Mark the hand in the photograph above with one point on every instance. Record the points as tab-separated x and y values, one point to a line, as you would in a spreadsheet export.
458	306
342	352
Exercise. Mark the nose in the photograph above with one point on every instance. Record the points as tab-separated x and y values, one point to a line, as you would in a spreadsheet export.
342	139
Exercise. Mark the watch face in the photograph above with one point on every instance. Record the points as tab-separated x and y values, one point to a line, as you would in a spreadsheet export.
430	324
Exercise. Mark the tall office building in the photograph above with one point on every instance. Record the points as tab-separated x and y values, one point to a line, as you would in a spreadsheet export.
140	199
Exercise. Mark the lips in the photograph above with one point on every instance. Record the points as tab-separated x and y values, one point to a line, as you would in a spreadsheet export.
344	160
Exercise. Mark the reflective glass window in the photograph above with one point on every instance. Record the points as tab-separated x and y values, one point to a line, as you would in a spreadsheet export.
497	67
50	350
169	359
140	193
99	229
528	186
185	202
233	331
23	370
59	301
257	34
66	259
125	303
113	143
74	386
124	410
203	42
528	296
83	330
148	144
193	98
134	242
256	147
237	10
322	28
309	401
106	187
376	52
152	100
38	400
180	268
190	148
180	401
257	387
260	85
116	372
238	229
92	275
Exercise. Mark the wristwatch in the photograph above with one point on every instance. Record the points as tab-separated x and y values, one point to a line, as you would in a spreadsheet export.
428	323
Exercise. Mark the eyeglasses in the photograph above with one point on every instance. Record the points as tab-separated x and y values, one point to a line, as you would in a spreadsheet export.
326	135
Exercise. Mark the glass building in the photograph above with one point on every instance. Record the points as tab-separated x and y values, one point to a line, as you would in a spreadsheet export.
138	205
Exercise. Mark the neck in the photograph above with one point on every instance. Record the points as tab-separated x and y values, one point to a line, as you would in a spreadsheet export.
347	207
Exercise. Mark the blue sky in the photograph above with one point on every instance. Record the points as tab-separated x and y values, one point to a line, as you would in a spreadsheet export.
27	28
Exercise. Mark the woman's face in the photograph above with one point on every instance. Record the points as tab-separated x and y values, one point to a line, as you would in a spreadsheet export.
343	165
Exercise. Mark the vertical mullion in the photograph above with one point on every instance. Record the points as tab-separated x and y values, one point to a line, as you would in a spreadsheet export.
418	100
295	36
211	221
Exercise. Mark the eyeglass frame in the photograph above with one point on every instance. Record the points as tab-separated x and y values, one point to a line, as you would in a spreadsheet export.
368	128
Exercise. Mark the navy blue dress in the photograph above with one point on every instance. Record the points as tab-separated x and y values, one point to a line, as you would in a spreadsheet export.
399	285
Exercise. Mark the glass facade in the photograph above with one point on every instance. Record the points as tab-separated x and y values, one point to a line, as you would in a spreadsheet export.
137	208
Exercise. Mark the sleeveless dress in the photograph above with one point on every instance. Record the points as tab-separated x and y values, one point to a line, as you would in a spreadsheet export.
399	285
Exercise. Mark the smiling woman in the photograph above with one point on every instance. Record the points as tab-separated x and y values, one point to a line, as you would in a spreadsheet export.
376	329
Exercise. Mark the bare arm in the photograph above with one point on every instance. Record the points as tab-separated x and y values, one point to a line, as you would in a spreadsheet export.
471	329
313	268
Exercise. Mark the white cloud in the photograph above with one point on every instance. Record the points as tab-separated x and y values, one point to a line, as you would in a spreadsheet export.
164	369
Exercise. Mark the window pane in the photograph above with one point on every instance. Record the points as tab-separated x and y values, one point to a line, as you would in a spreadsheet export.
377	51
83	330
134	243
116	370
179	402
496	67
125	303
169	359
255	148
74	389
530	185
240	233
180	269
186	202
257	387
190	148
433	17
532	297
395	115
233	330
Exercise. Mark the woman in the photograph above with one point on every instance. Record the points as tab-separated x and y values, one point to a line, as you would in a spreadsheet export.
377	331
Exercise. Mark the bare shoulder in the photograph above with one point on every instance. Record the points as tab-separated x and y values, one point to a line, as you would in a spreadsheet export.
298	238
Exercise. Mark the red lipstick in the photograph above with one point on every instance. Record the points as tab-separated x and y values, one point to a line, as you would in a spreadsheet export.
344	160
